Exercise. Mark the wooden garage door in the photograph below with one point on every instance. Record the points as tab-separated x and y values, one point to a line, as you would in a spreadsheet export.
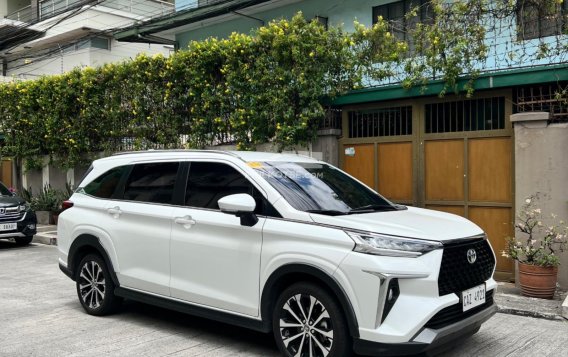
388	171
472	178
6	172
360	163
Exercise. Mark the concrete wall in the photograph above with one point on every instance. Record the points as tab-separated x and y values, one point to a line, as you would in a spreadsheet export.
541	165
325	148
328	145
14	5
3	8
54	176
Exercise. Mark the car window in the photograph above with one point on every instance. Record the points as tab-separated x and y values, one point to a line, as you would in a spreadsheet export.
105	185
151	182
210	181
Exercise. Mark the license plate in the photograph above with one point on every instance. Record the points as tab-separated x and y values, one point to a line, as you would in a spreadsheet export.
8	226
473	297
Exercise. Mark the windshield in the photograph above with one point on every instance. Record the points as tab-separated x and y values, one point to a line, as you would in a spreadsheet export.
320	188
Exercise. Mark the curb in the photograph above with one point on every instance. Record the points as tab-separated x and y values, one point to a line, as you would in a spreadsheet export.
47	238
565	308
534	314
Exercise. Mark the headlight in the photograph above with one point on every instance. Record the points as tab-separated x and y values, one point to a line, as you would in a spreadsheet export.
380	244
23	207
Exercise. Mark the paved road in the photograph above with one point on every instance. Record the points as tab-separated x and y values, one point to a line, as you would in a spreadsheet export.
41	316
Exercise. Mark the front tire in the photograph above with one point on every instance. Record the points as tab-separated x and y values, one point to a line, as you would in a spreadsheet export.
95	287
21	241
307	321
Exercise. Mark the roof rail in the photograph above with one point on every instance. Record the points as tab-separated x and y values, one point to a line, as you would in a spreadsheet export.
151	151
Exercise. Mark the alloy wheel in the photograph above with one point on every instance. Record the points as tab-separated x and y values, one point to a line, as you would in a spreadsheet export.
92	284
306	328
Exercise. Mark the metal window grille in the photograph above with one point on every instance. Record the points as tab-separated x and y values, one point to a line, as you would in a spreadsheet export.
465	115
537	21
542	98
394	121
395	13
332	119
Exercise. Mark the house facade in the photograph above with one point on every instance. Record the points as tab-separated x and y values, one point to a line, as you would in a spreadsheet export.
477	156
46	37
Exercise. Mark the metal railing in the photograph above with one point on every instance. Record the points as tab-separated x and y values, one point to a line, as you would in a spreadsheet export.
147	8
48	8
543	98
24	14
332	119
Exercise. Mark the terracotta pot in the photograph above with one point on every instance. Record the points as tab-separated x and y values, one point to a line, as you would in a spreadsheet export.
537	281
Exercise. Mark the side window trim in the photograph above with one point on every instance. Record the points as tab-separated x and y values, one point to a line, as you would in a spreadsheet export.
118	193
181	183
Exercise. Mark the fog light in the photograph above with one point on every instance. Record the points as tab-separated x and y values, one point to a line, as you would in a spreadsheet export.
392	295
31	226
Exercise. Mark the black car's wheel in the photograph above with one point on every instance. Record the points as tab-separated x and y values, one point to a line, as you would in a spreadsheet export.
307	322
23	240
95	287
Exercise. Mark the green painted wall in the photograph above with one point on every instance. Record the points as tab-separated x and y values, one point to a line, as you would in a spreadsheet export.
339	12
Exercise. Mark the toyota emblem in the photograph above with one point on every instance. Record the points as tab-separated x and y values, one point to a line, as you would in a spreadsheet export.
471	256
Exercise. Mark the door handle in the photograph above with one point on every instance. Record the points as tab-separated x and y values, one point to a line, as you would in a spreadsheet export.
186	221
115	211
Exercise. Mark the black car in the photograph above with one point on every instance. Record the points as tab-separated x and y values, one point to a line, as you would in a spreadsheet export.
17	220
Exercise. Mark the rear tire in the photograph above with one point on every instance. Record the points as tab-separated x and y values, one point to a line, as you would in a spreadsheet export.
21	241
307	321
95	287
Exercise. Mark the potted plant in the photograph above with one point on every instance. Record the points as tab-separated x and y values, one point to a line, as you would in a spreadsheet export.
536	250
44	203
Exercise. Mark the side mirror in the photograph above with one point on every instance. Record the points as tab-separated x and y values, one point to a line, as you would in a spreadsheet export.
241	205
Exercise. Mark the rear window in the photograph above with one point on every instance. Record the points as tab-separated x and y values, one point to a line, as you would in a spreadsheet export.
152	182
105	185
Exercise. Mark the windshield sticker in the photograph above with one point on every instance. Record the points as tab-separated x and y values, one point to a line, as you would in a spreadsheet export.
255	164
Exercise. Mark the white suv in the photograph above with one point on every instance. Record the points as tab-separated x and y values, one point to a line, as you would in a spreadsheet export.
275	242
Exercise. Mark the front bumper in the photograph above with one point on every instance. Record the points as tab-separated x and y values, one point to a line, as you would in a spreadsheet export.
23	228
428	340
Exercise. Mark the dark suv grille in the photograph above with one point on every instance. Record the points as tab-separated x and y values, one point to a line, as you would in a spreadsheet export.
454	313
10	214
457	274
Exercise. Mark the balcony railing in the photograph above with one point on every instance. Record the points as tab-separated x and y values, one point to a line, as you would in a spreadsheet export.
48	8
194	4
24	14
146	8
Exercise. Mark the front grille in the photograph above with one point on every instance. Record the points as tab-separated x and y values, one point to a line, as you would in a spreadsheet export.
10	214
454	313
457	274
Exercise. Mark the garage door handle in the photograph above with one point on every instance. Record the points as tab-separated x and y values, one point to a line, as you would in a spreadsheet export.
115	211
186	221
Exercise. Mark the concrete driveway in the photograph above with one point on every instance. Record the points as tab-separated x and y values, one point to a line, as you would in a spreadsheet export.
41	316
